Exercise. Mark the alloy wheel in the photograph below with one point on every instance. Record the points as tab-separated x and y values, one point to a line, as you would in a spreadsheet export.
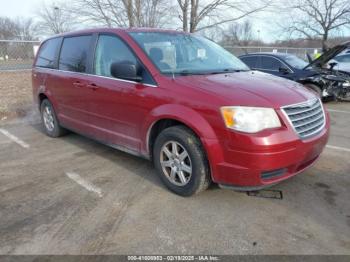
176	163
48	118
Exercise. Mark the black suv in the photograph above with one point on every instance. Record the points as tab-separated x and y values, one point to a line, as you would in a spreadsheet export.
316	75
284	65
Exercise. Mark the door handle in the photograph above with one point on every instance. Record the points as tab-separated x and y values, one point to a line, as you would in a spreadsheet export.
78	84
93	86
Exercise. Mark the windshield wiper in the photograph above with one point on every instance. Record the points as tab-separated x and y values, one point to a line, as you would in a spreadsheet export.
185	72
228	70
189	72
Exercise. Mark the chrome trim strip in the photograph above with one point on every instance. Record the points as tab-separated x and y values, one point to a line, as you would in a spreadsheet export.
309	128
302	103
313	120
302	118
306	103
314	106
106	77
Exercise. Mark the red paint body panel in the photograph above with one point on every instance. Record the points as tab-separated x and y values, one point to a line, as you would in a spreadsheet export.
122	113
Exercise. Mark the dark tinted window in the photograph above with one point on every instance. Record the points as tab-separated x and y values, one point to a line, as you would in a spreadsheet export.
47	53
111	49
250	61
74	53
270	63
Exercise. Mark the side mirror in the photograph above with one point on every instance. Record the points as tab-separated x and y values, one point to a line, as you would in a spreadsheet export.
332	64
125	70
284	70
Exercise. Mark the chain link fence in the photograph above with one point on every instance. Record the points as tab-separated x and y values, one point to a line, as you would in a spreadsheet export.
300	52
17	55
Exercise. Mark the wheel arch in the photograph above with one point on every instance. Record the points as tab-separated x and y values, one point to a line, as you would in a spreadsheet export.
41	97
44	93
170	115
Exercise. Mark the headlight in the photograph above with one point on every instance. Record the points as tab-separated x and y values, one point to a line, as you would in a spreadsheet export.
249	119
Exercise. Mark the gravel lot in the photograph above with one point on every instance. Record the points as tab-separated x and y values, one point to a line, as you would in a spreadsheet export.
73	195
16	94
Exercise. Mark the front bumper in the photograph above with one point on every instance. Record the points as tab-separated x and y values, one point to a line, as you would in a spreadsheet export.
266	159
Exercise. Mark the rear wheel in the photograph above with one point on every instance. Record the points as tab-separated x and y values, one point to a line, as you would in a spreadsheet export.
180	161
316	89
49	120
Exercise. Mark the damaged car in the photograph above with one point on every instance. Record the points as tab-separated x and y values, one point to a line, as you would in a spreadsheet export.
342	62
320	75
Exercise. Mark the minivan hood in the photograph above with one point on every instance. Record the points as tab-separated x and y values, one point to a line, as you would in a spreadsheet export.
250	88
328	55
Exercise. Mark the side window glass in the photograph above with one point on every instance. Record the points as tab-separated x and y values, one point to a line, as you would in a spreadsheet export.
74	53
270	63
250	61
110	49
47	53
344	59
258	62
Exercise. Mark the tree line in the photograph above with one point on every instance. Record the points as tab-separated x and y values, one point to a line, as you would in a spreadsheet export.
300	21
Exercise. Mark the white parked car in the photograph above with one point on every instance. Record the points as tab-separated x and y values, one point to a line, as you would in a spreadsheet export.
342	62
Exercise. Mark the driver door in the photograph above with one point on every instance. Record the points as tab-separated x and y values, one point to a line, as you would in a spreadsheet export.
116	103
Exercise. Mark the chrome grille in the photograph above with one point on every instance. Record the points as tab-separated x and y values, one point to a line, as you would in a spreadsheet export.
307	118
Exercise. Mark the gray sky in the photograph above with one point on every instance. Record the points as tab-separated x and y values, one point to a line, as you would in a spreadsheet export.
27	8
15	8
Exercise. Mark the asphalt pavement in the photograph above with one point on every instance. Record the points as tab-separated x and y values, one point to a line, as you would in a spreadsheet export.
73	195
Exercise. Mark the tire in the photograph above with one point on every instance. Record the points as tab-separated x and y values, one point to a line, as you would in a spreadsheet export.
49	119
173	168
316	89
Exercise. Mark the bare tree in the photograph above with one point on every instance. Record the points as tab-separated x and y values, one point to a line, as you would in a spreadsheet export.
123	13
8	28
7	31
17	29
197	15
26	29
129	8
315	18
240	34
55	18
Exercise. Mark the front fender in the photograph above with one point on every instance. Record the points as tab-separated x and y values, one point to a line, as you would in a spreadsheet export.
193	120
186	115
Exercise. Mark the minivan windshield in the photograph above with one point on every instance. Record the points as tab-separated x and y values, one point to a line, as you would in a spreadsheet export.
177	53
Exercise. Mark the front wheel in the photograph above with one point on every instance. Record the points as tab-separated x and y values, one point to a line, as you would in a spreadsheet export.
180	161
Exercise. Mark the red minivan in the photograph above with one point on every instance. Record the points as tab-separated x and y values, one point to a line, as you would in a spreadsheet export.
182	101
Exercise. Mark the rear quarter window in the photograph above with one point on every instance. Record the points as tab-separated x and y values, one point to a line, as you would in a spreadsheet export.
75	53
47	53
